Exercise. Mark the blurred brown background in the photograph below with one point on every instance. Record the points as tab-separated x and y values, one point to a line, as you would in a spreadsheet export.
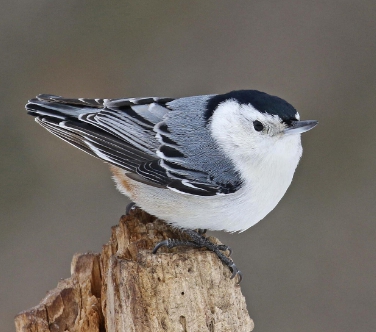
310	265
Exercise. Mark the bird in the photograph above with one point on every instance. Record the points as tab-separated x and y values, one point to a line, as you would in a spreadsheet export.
210	162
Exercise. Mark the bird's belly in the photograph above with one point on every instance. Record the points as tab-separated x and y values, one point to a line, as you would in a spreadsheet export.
231	212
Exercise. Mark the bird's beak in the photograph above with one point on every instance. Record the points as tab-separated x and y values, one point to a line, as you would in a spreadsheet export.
298	127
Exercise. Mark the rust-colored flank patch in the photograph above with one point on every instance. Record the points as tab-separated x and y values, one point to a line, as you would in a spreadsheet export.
122	180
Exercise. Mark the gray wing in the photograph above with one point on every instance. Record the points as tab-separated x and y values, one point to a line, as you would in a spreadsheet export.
160	141
189	154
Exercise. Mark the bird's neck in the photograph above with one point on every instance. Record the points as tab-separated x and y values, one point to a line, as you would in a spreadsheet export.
266	182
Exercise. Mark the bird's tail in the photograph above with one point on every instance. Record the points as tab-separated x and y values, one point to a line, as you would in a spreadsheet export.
116	135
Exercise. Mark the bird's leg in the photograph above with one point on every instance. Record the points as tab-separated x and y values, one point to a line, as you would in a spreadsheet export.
131	206
200	241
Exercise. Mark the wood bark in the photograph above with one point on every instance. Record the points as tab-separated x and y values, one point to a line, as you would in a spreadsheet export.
127	288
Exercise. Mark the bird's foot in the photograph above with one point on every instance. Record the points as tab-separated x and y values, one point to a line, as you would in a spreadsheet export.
172	243
200	241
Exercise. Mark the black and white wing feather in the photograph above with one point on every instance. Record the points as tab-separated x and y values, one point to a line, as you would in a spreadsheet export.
192	160
118	131
159	141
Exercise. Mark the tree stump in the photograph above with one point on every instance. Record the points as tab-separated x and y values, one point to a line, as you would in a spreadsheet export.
127	288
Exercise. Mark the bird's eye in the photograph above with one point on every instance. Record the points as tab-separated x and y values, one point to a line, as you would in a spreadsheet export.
258	125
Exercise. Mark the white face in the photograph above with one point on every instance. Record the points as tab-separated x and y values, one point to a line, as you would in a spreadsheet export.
253	138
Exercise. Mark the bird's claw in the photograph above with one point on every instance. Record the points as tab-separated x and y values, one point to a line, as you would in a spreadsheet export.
130	207
161	244
223	247
235	272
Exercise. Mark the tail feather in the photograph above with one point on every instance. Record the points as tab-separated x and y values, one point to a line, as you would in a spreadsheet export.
52	106
122	135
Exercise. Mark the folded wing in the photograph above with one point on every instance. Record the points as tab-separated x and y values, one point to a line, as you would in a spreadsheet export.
142	136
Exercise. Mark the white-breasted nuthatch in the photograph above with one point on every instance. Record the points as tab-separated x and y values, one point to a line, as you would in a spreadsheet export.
217	162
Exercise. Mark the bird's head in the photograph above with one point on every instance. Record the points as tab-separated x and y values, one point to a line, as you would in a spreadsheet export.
255	127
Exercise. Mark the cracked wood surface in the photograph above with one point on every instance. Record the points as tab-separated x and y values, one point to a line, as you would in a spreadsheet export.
127	288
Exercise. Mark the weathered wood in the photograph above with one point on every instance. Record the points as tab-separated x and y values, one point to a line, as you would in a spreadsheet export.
127	288
74	305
